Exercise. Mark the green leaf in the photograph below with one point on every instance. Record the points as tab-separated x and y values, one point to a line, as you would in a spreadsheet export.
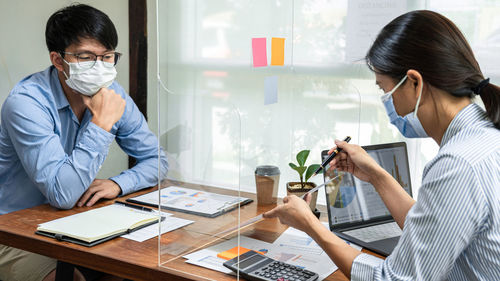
310	171
302	157
299	170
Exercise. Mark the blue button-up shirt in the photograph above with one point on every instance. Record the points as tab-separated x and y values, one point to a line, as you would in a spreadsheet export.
453	231
47	155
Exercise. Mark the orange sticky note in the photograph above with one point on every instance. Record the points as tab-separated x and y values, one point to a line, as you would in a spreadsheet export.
277	51
232	253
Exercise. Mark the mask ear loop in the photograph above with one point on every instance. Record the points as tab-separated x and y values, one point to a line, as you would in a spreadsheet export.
65	75
418	100
386	96
397	86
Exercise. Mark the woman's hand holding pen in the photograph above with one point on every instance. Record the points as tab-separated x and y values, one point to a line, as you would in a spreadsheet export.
355	160
295	212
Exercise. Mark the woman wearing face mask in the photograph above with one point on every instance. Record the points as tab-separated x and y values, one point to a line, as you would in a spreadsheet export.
430	78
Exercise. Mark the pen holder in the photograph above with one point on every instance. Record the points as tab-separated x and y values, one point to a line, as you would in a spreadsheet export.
295	188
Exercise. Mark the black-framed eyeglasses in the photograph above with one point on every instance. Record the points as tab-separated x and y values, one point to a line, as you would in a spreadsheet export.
87	60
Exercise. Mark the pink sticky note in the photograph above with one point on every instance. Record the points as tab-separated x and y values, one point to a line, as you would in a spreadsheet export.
259	52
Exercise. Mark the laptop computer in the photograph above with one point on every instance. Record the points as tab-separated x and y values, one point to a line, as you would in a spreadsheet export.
356	212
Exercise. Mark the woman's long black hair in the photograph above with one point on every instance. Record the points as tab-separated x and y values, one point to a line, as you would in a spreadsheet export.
434	46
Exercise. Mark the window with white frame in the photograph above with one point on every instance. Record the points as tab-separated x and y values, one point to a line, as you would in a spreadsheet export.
325	91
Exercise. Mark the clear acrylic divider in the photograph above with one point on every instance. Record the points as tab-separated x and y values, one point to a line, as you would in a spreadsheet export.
205	79
200	136
337	114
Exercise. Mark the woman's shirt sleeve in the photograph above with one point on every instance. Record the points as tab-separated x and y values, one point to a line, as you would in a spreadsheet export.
451	209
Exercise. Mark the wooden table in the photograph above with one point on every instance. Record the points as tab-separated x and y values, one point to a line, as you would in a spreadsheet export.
130	259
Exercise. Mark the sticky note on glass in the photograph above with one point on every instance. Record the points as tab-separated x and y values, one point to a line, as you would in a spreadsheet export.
259	52
232	253
271	90
277	51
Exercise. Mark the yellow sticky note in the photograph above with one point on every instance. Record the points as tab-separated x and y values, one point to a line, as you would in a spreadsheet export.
277	51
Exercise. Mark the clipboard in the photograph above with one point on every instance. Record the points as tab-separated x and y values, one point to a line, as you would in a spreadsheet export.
191	201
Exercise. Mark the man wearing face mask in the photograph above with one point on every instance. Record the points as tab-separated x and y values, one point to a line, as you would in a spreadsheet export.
57	126
430	78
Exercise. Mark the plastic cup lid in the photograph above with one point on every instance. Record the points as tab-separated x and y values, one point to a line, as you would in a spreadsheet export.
267	170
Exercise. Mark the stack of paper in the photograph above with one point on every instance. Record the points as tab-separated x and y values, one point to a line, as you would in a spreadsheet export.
293	247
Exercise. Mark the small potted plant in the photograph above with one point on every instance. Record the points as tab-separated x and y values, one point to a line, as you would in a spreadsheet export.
299	188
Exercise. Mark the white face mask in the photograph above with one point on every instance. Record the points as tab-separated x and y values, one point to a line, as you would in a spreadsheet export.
88	80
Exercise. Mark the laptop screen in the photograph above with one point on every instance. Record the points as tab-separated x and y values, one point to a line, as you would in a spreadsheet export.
351	201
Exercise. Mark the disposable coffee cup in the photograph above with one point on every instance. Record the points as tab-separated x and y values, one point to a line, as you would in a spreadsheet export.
267	179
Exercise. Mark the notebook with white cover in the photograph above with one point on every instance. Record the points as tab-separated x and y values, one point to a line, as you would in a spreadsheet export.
97	225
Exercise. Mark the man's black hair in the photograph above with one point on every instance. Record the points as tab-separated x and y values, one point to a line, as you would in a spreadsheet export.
72	23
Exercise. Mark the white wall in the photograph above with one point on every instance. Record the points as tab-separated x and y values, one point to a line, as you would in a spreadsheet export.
23	50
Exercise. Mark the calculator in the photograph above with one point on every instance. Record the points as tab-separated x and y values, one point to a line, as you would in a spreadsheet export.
254	266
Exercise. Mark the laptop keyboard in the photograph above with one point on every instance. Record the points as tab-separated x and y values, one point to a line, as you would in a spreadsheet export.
376	232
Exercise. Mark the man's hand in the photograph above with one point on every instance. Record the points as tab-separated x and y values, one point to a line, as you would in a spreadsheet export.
99	189
106	106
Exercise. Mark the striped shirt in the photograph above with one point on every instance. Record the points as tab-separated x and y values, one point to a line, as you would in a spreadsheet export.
453	231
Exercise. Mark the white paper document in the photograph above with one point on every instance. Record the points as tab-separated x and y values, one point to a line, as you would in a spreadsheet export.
293	246
208	257
292	252
297	248
170	223
365	19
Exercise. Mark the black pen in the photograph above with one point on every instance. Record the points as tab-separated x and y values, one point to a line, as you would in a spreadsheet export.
330	157
135	206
